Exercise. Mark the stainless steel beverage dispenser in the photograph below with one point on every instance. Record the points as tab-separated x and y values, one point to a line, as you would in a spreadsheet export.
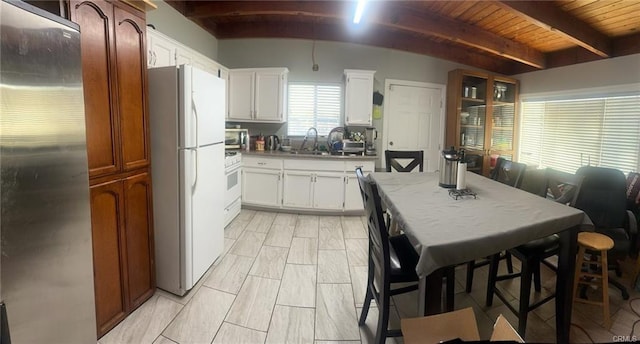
449	167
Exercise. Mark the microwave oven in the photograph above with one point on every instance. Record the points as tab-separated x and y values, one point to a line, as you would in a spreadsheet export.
236	138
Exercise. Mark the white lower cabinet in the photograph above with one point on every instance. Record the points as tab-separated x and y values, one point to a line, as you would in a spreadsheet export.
328	190
323	185
352	197
261	187
297	189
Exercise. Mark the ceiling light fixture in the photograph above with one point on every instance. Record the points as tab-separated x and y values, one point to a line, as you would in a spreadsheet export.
359	10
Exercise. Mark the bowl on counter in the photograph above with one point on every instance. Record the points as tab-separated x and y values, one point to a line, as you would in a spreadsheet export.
285	148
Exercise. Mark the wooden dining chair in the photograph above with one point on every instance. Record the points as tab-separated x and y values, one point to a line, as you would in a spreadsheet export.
391	260
416	160
509	173
563	188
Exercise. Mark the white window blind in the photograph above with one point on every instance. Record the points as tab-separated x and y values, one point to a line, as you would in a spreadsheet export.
568	134
313	105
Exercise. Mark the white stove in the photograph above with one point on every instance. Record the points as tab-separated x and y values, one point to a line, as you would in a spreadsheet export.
233	194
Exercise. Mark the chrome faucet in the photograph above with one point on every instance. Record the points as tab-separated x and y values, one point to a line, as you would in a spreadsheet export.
315	139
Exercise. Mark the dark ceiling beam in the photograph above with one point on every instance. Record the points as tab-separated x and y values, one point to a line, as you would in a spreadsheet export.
206	9
432	24
547	15
386	14
376	36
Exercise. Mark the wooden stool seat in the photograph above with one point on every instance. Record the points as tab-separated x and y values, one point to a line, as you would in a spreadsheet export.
593	242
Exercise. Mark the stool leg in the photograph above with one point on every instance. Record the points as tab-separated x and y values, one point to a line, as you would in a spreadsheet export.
525	293
605	289
579	262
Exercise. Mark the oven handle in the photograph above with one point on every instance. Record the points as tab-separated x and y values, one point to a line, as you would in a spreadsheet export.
232	169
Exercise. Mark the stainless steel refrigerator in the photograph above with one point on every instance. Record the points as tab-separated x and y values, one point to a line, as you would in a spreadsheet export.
46	280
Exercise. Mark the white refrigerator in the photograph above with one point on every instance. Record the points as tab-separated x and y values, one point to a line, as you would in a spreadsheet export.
187	156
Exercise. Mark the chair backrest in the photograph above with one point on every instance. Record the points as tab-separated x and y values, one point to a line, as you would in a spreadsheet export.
391	158
563	187
535	181
603	196
379	256
509	172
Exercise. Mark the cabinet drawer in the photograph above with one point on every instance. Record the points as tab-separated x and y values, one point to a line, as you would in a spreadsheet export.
273	164
366	166
314	165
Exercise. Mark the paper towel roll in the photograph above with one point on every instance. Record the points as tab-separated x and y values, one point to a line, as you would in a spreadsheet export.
461	182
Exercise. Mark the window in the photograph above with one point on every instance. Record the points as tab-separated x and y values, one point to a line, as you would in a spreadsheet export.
313	105
568	134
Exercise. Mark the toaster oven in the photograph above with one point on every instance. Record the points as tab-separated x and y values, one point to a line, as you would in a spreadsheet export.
236	138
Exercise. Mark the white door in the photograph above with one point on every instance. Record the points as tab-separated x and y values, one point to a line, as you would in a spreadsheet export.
204	97
414	119
202	211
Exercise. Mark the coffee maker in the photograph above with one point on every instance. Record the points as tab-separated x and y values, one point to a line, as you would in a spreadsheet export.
370	136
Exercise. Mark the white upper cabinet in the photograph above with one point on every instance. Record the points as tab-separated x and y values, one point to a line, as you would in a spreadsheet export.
258	95
161	52
358	101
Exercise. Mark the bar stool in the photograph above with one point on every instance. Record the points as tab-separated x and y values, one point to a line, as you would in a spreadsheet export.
594	242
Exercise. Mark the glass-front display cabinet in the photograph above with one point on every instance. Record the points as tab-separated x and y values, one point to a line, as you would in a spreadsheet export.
482	117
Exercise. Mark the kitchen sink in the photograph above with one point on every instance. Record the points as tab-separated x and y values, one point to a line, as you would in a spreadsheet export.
309	152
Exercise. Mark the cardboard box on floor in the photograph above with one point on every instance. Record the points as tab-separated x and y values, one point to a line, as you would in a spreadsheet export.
460	324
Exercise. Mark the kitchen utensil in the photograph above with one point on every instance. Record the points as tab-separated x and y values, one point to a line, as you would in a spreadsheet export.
272	142
334	139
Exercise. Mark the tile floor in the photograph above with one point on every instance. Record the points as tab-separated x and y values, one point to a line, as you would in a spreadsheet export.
287	278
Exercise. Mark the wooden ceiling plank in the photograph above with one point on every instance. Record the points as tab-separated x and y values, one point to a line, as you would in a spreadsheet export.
380	38
547	15
455	31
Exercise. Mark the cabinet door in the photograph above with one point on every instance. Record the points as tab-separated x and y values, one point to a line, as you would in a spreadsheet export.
183	56
241	95
358	99
107	221
130	58
328	190
162	52
96	23
268	91
352	196
139	238
297	189
261	187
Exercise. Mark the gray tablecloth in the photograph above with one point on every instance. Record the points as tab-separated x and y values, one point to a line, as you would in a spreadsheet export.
446	231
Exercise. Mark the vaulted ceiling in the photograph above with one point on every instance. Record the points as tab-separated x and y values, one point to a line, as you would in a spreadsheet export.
507	37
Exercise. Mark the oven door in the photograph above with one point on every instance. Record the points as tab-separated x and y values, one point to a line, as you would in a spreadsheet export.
234	183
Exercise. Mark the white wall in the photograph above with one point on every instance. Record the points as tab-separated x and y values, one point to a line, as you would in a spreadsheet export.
333	58
604	73
173	24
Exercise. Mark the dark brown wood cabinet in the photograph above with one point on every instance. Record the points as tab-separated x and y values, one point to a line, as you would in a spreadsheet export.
482	117
115	94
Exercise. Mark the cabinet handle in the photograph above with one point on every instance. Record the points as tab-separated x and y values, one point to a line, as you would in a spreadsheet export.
155	58
262	163
390	143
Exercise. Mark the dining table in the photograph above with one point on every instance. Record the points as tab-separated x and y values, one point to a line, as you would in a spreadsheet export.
490	217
